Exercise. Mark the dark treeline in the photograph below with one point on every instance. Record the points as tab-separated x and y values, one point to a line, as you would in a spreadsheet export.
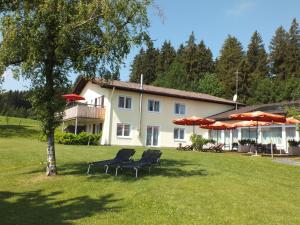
16	103
264	76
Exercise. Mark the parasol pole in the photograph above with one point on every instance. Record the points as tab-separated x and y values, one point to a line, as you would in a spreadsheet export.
256	137
272	142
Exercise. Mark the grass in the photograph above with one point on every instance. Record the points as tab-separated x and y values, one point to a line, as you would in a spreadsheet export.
190	188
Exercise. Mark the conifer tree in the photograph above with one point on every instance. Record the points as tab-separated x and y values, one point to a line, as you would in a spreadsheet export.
166	56
189	59
278	55
293	50
231	55
257	58
205	59
150	63
137	66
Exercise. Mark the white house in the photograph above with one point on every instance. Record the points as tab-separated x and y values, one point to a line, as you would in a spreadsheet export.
280	134
140	115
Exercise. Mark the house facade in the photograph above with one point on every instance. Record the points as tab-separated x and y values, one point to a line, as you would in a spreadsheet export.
278	134
139	115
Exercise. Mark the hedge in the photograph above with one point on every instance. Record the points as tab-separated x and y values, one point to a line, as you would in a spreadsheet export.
82	138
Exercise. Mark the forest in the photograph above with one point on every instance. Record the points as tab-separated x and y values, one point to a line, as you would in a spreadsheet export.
263	76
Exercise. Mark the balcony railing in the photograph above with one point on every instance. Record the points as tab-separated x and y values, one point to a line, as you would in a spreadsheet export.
84	111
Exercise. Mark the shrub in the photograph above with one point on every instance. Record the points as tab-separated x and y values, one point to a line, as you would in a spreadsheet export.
247	142
198	141
82	138
294	143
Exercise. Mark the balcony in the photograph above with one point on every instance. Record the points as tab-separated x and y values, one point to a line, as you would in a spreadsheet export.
84	111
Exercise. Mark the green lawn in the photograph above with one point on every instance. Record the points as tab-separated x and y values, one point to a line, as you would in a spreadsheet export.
189	188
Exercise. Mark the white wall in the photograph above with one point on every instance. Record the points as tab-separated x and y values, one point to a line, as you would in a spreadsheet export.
163	119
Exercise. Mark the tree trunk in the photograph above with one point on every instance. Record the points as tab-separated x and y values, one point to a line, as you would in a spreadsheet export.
51	160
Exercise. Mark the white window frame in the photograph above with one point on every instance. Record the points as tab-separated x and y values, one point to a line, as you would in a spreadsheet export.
180	103
179	139
123	131
159	108
125	97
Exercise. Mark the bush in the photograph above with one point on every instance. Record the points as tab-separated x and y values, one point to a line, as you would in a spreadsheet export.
82	138
247	142
294	143
198	141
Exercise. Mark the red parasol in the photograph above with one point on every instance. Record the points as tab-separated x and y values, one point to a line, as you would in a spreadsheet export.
72	97
219	126
192	121
292	120
251	123
259	116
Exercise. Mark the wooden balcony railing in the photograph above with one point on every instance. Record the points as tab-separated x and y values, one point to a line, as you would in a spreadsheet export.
85	111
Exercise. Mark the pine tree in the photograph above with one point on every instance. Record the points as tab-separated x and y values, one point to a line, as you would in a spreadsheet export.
278	55
257	58
166	56
293	50
145	63
137	66
150	63
231	55
189	59
205	60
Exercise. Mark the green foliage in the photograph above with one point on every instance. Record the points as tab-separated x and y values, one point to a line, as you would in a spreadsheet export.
82	138
231	56
145	63
166	56
247	142
293	143
45	40
16	104
174	77
293	50
278	54
210	84
198	141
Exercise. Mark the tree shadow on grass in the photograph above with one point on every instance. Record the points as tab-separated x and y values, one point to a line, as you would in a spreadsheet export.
17	131
38	208
168	168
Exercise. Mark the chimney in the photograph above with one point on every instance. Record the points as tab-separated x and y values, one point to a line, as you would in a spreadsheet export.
142	76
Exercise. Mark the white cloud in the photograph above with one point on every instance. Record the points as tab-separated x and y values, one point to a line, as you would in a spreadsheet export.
241	8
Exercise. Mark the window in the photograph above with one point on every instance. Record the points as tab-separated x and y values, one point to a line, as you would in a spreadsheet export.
153	106
179	133
123	130
179	109
125	102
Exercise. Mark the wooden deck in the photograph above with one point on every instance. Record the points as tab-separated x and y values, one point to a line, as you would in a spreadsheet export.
84	111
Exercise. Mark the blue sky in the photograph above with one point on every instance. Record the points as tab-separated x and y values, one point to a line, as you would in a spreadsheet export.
211	21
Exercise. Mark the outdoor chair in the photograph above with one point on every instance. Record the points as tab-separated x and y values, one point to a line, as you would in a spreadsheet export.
208	147
123	155
185	148
235	146
218	148
149	159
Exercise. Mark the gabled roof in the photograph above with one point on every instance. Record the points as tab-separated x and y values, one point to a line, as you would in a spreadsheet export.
149	89
277	108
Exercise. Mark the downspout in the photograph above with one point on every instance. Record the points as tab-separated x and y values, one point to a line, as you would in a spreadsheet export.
141	109
110	116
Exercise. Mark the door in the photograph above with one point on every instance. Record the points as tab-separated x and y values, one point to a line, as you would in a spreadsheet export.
152	136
